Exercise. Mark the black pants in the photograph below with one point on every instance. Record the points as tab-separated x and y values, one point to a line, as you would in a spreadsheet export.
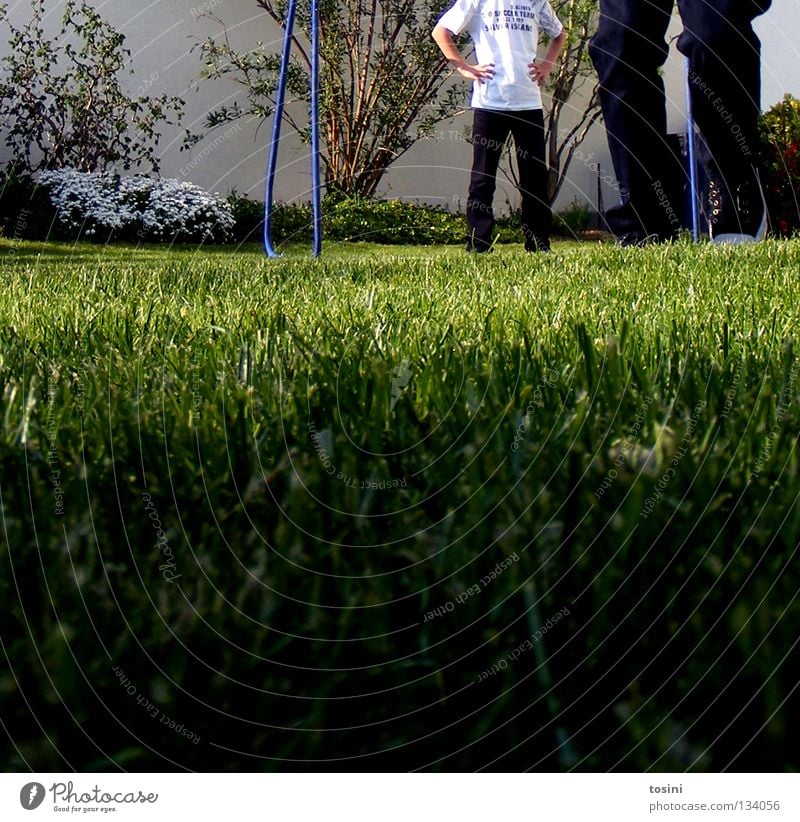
725	79
489	132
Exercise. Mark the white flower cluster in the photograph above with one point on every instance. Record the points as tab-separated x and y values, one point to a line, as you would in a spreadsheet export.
103	204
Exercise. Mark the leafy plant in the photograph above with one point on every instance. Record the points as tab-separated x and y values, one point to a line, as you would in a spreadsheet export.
572	220
248	217
26	212
780	137
107	206
391	222
383	83
352	219
62	101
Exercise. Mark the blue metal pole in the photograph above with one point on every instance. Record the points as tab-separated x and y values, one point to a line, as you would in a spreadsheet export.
276	128
316	201
690	141
272	163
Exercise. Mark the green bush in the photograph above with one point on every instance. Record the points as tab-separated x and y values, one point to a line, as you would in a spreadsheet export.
780	136
249	218
392	221
568	223
102	207
351	219
62	101
575	218
26	212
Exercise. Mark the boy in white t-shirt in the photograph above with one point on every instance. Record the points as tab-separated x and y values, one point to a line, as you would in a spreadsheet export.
505	98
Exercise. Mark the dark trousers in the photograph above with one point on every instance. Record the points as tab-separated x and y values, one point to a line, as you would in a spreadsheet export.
724	56
489	133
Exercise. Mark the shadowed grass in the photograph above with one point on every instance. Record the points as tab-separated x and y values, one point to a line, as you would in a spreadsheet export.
263	489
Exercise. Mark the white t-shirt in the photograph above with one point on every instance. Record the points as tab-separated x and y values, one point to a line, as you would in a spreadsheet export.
506	33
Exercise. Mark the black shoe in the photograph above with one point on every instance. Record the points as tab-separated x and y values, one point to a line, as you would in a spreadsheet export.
642	226
735	216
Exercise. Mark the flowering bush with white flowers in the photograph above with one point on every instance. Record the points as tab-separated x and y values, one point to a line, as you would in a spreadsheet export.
105	206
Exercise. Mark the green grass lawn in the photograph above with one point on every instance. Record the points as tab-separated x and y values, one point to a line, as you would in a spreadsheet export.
399	507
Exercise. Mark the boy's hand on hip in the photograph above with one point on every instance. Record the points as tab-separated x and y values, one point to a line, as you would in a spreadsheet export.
539	72
480	73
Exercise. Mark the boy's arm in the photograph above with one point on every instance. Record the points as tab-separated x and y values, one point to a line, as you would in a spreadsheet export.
539	72
444	39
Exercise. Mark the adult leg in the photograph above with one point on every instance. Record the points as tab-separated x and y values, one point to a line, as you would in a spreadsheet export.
527	128
725	80
628	50
489	132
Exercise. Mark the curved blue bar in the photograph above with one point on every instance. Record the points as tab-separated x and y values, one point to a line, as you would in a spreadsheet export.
276	128
316	201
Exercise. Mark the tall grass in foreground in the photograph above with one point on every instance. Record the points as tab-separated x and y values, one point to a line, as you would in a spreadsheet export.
400	509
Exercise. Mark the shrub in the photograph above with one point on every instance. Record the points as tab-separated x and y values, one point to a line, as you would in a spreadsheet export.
62	101
291	222
392	221
508	228
248	216
26	212
347	219
573	219
780	135
568	223
183	211
106	206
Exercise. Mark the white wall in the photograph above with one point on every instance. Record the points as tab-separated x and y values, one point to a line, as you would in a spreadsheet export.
161	34
779	30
